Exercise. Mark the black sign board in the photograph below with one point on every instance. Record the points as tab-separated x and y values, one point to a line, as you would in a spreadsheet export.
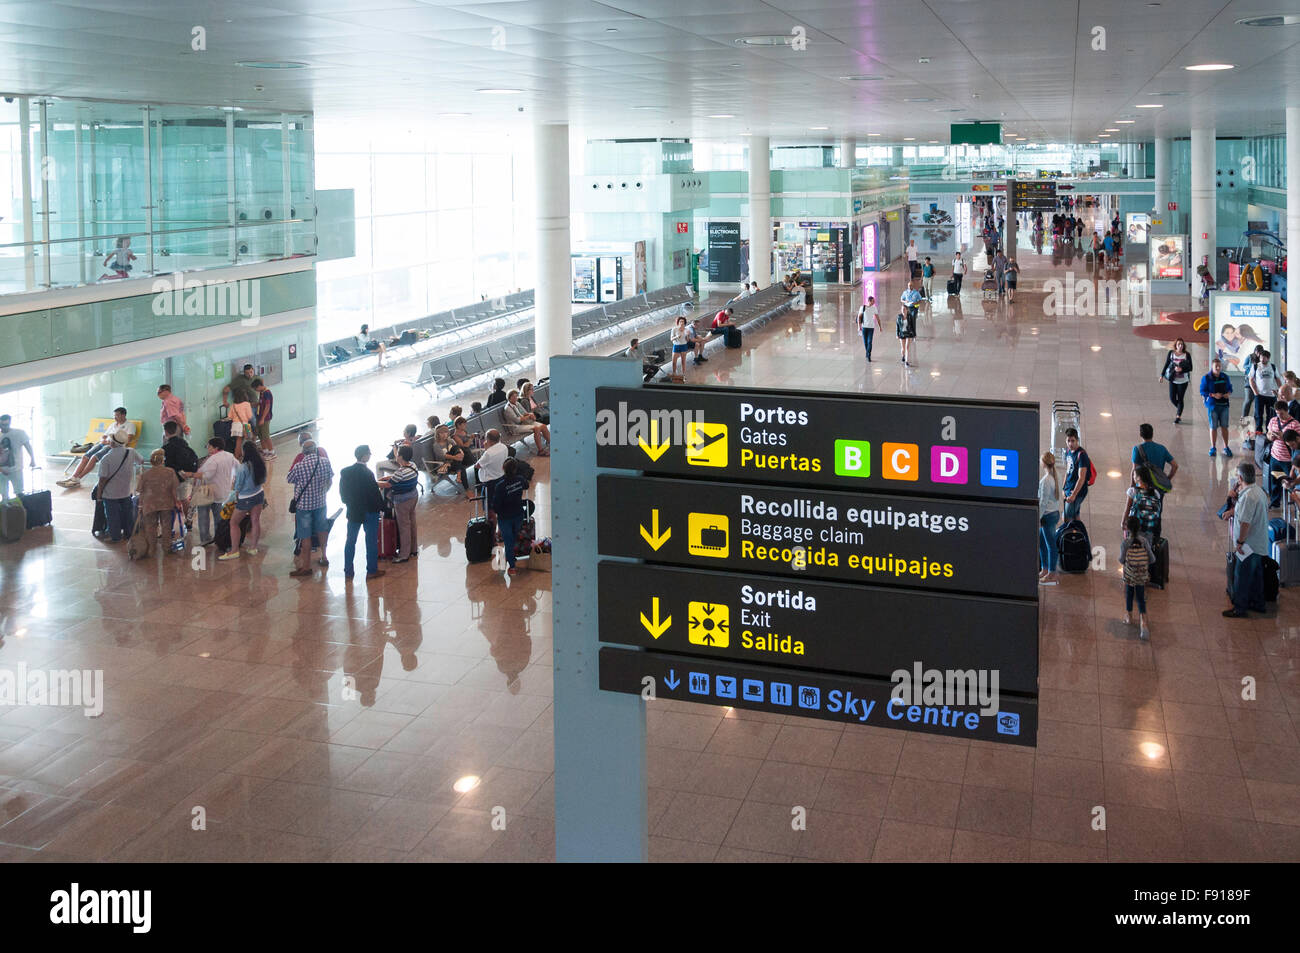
912	445
724	251
946	545
857	630
810	695
1035	196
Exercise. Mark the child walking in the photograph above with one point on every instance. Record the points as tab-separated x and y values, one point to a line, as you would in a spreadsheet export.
1136	557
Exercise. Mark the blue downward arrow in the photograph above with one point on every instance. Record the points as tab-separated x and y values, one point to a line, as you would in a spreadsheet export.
672	681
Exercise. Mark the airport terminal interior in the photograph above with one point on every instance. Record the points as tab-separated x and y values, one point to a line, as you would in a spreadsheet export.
308	236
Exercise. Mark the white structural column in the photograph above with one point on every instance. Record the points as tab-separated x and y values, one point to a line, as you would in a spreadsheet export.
1292	216
848	152
1203	197
1162	175
553	315
760	210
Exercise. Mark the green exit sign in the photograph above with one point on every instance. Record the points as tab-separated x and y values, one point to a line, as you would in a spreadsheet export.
976	133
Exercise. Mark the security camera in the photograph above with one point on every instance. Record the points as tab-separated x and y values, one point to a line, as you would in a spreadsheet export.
258	88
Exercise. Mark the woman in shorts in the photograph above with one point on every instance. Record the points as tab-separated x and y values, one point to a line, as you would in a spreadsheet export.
1012	273
681	345
249	496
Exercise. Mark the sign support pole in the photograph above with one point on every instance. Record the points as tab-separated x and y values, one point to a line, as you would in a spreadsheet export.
601	809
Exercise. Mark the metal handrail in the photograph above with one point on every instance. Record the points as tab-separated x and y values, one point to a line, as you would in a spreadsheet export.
113	236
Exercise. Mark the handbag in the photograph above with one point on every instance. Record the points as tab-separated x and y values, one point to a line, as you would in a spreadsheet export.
202	494
293	504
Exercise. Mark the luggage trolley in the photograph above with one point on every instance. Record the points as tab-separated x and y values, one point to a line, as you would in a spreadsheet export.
1065	414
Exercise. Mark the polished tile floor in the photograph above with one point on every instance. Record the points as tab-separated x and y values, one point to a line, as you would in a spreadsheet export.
320	720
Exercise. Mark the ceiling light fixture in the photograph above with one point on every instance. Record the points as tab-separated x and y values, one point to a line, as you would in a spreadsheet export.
1149	106
777	39
452	115
1208	67
863	78
919	99
1108	129
270	64
723	116
494	91
1279	19
873	133
909	138
1125	122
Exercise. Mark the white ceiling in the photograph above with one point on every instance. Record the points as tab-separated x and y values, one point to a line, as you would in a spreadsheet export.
1026	63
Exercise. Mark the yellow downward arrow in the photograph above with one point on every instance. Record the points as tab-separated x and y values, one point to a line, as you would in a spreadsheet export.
656	628
652	535
651	450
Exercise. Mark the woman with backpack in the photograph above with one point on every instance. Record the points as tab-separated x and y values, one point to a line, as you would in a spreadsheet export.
1136	557
1049	514
1178	372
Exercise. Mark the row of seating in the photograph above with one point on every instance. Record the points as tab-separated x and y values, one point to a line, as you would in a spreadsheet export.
458	323
748	314
428	458
505	356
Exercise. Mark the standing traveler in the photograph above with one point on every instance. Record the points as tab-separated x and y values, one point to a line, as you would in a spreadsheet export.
360	494
172	408
491	465
1250	545
927	279
1078	470
159	497
403	485
265	406
217	471
1136	556
1155	456
508	504
868	323
910	300
912	270
311	478
1000	272
1216	391
1049	514
1013	275
681	345
1247	367
1178	372
1263	382
12	443
249	496
116	472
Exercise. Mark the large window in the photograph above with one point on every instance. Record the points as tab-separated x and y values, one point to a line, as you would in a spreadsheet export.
440	223
174	188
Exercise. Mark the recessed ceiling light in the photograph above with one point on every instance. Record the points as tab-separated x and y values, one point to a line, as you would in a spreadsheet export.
453	115
647	107
1022	389
863	78
1094	142
919	99
873	133
723	116
611	29
923	60
1208	67
777	39
1095	348
1149	106
498	91
818	128
934	142
1279	19
1103	135
1125	122
909	138
270	64
1108	129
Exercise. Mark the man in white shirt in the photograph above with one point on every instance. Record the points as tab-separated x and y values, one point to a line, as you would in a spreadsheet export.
12	442
1263	384
868	323
958	269
91	458
491	463
911	259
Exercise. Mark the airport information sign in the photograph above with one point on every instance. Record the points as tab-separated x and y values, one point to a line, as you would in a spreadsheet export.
806	554
1035	196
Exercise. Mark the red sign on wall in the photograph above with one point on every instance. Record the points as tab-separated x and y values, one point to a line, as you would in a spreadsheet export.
1173	206
683	228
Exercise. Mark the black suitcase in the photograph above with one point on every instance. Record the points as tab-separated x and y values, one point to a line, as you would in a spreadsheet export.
221	430
39	505
99	521
731	337
1160	568
221	534
478	540
1074	547
952	285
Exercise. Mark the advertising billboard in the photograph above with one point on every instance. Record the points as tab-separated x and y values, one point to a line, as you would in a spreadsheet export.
1240	320
1168	256
1138	225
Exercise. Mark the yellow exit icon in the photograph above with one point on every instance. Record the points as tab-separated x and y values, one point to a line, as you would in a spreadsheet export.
706	444
709	623
707	534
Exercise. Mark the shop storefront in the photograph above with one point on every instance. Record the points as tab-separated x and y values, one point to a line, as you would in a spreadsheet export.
823	248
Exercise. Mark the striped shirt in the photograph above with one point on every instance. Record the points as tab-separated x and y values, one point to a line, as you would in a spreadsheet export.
1280	451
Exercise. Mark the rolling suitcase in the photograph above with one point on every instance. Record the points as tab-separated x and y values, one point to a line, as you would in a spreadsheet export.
387	537
952	285
39	506
1074	547
13	520
731	337
1160	568
99	520
1285	550
1270	580
478	540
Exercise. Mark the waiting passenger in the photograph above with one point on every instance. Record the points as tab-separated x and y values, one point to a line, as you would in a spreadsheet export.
366	343
476	407
404	486
518	424
534	407
92	456
159	497
498	395
464	439
456	458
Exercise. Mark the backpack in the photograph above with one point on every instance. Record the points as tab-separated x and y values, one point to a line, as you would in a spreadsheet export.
4	452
